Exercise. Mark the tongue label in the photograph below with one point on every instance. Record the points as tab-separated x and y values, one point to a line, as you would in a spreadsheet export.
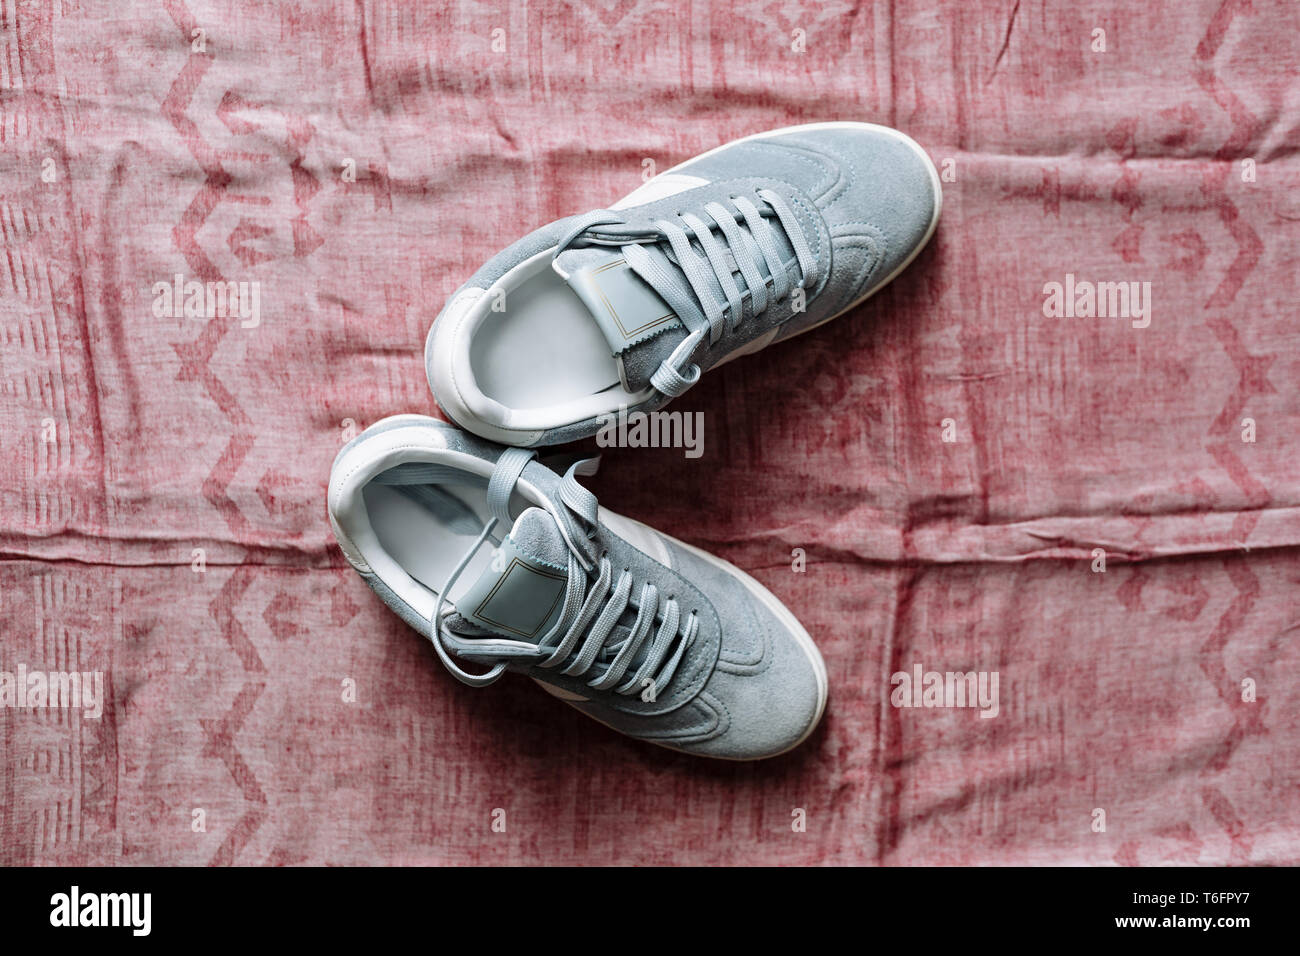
625	307
516	596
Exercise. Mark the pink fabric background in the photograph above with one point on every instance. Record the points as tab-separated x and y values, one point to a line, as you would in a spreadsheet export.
1120	690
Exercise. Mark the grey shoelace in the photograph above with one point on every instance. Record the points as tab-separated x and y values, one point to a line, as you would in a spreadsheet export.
702	313
594	610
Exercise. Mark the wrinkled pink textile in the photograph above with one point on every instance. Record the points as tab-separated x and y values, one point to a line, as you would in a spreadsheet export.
164	478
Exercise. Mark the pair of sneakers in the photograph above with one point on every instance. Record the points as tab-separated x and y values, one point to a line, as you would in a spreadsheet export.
502	558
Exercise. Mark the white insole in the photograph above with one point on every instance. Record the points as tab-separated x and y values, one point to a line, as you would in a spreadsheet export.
429	545
544	349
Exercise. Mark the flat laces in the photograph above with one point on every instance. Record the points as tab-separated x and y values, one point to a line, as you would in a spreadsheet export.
701	311
590	610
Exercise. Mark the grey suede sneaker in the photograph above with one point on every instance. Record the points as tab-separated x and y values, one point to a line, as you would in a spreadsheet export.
644	633
622	309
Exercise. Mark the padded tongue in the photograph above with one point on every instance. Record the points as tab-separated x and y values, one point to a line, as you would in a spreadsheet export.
520	593
638	324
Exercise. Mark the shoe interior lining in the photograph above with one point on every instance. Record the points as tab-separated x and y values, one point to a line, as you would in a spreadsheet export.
544	348
426	528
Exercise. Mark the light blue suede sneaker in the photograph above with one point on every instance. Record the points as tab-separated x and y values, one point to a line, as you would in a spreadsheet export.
748	244
644	633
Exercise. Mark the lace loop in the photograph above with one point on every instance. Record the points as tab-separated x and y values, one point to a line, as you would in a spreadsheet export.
740	249
591	609
597	217
502	483
462	675
672	382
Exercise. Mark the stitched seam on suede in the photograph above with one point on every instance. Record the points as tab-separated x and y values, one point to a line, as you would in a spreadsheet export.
876	236
719	725
873	233
695	731
723	726
868	268
812	222
843	181
687	692
754	667
853	174
825	169
799	204
812	216
763	644
747	668
872	228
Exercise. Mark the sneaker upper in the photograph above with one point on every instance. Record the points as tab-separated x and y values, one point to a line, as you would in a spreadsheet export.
507	565
624	308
